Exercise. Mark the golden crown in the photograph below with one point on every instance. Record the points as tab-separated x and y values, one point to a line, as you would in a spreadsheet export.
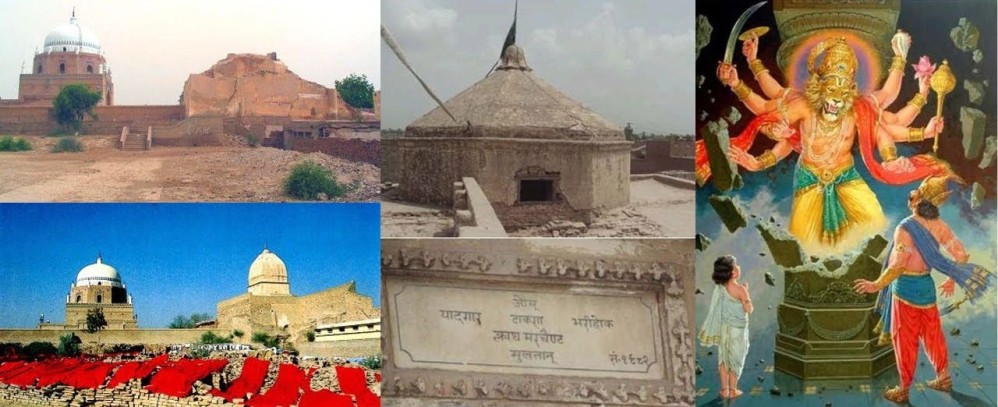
839	59
934	189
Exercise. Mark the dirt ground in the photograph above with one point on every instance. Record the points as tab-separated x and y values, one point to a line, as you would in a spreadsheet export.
232	172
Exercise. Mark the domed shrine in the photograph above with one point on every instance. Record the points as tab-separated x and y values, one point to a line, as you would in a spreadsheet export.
99	285
71	54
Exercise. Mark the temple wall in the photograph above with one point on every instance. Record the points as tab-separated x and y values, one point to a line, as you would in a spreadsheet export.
127	336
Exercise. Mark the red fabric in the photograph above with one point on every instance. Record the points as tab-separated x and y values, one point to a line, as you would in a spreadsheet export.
925	164
909	324
52	373
148	366
89	376
743	141
377	377
324	398
176	378
250	380
10	368
135	370
352	380
124	373
368	399
285	392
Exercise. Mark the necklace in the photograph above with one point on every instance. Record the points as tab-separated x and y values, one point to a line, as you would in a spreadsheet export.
825	133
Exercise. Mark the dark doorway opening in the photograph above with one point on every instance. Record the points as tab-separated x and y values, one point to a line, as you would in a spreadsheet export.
536	190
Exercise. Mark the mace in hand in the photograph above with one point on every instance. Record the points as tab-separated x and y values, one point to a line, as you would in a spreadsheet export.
942	82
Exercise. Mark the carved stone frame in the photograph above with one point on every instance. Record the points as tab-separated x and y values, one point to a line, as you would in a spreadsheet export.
448	259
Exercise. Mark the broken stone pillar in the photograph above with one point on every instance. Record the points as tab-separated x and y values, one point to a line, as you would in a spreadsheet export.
874	246
825	329
728	211
976	196
990	146
723	171
784	248
973	123
702	242
965	35
732	115
703	33
975	91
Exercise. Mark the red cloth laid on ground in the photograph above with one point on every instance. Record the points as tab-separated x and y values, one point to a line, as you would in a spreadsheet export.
285	392
135	370
176	378
368	399
249	381
324	398
55	372
377	377
34	370
11	368
89	376
352	379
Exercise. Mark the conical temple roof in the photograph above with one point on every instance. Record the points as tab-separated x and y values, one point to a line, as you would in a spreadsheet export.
512	102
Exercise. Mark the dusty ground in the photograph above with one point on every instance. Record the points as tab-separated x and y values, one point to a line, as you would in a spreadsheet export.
232	172
656	210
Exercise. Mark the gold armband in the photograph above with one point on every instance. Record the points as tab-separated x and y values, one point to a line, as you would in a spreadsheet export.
915	134
897	64
889	153
918	101
757	67
891	274
767	159
741	90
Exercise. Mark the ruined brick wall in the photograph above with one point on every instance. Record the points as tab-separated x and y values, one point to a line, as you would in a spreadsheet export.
664	155
343	349
368	151
515	217
336	305
194	131
259	85
110	119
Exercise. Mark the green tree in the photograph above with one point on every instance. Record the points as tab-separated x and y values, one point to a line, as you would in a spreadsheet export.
629	132
95	320
73	103
185	322
357	91
69	345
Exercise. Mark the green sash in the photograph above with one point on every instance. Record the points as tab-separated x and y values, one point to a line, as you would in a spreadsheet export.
833	216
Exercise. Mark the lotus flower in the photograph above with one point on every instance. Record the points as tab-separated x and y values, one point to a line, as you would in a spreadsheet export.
924	67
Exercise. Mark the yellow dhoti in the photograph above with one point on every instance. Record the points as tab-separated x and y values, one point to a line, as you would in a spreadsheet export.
833	210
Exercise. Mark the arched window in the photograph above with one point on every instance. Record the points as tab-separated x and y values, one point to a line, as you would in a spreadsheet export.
62	68
39	69
63	49
99	298
90	69
78	298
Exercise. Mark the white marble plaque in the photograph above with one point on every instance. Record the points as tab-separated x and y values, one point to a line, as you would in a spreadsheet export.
509	328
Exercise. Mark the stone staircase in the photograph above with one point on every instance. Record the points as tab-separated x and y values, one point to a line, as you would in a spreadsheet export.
133	142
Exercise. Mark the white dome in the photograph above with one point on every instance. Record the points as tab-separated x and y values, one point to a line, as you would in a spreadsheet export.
98	274
267	267
72	37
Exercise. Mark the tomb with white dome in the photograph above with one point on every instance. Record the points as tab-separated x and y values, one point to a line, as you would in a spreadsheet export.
99	285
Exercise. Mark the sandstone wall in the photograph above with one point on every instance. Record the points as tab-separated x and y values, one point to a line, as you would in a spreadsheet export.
590	175
391	156
194	131
40	90
127	336
343	349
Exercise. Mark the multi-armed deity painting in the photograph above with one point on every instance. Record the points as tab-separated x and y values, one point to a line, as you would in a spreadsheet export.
846	164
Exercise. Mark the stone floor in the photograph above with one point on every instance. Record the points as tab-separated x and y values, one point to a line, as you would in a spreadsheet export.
972	387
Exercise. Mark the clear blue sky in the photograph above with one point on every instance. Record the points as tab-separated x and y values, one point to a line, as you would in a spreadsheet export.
179	258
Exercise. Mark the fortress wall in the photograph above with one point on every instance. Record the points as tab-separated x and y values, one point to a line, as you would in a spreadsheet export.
128	336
